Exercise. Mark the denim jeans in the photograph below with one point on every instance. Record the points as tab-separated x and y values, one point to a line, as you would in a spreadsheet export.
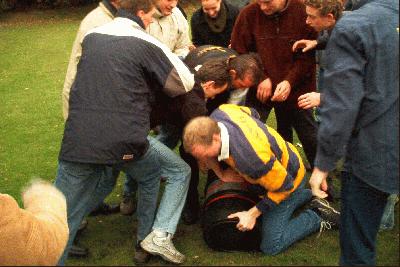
280	229
86	185
177	174
361	212
169	136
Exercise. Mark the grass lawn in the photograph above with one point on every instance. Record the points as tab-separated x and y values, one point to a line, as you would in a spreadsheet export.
35	48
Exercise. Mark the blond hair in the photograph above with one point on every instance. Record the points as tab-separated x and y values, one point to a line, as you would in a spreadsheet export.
199	131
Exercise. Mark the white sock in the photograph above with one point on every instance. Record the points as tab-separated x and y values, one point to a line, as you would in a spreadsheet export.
159	233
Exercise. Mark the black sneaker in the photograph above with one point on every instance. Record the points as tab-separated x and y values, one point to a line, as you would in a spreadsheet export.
78	252
141	256
329	215
105	209
128	205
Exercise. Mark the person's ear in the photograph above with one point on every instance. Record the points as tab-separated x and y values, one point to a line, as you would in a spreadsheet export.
217	137
140	13
233	74
331	18
207	84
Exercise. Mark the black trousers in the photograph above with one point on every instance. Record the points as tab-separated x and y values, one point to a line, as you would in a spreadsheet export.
287	119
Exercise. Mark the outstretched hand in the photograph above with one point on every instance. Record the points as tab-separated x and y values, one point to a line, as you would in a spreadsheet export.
282	91
309	100
306	45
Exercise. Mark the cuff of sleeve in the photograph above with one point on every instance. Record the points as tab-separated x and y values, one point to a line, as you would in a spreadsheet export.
324	162
263	206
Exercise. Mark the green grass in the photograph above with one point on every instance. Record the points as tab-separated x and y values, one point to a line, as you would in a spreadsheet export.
35	48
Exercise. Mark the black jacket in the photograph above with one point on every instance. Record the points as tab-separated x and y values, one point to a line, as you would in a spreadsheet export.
179	110
202	34
120	71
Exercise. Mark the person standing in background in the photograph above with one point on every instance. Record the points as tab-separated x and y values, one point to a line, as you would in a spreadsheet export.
213	22
170	27
269	28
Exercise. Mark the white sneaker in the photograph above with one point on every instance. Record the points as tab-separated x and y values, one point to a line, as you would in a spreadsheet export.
162	246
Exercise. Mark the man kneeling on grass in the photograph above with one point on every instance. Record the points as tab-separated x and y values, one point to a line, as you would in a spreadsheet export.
259	155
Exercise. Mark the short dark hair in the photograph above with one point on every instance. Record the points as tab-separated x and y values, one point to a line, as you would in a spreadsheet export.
136	5
216	70
247	64
327	6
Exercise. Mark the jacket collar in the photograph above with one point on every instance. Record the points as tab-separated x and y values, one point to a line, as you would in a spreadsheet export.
229	14
280	12
158	14
122	13
109	7
356	4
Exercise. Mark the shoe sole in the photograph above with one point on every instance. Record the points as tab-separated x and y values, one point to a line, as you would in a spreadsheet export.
149	247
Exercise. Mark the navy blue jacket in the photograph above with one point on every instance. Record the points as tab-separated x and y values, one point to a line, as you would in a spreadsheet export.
360	113
120	71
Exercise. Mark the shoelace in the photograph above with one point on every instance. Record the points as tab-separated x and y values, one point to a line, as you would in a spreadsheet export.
327	206
168	244
324	226
329	210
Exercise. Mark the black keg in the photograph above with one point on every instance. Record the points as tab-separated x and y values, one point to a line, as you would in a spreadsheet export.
219	232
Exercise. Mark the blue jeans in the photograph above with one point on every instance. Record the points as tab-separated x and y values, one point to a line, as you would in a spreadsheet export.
280	229
177	174
169	136
86	185
361	212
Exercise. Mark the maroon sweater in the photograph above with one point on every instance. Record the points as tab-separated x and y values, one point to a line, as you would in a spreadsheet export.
272	38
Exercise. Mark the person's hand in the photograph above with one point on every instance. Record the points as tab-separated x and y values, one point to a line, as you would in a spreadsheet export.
231	176
282	91
305	44
309	100
264	90
247	219
318	183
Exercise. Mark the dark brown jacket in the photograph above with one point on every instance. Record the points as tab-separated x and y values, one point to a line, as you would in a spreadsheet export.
272	38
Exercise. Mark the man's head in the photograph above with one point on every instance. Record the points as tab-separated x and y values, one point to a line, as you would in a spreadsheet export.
211	7
165	6
270	7
144	9
245	70
323	14
213	77
202	138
